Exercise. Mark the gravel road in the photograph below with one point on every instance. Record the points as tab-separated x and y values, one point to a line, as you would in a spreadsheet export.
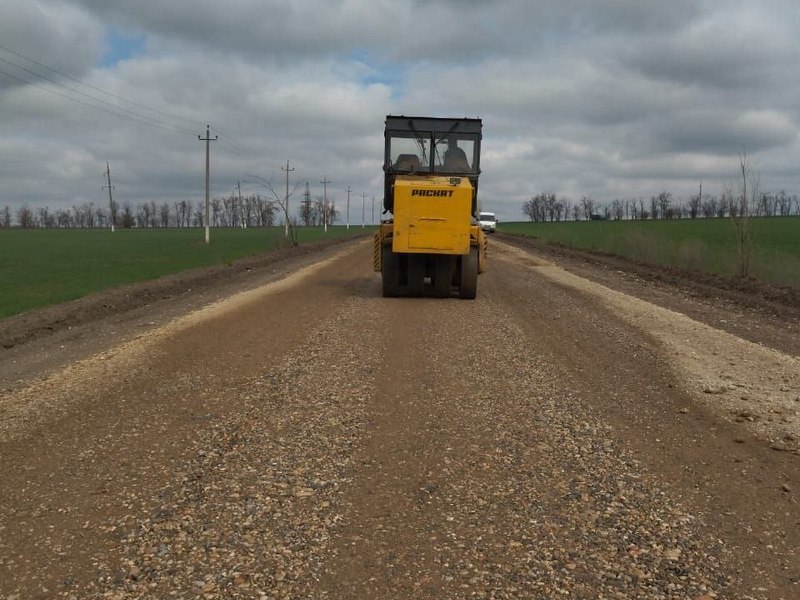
306	438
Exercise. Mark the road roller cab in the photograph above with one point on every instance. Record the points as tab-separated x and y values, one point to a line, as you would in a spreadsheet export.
431	243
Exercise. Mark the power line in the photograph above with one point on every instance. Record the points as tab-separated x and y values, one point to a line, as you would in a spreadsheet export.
226	139
88	85
93	98
107	107
79	101
112	109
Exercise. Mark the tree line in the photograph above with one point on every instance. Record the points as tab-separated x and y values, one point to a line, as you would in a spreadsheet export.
546	206
225	211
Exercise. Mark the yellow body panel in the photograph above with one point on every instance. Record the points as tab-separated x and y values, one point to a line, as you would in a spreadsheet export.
432	215
385	234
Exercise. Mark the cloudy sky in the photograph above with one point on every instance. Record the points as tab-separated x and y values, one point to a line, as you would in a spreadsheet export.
605	98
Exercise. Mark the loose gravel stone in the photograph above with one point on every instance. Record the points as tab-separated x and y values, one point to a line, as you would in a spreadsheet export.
426	449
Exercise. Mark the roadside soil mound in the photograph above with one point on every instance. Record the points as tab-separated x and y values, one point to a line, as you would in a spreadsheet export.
745	292
38	323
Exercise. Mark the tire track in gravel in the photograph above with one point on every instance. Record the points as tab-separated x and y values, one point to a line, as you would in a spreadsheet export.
487	477
253	508
97	440
730	481
737	376
524	445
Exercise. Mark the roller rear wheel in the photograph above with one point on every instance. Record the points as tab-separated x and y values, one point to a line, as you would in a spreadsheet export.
416	274
390	273
468	285
442	275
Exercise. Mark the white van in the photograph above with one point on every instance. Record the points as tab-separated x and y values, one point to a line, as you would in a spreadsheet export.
487	221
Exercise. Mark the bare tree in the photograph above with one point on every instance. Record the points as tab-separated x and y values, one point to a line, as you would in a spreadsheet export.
540	207
177	209
333	213
163	213
653	207
45	218
88	210
588	207
5	217
664	200
143	215
283	203
25	217
306	211
550	205
216	214
782	202
127	219
266	212
741	220
230	212
64	219
198	216
617	210
562	208
320	210
529	209
708	206
248	210
694	205
101	217
77	218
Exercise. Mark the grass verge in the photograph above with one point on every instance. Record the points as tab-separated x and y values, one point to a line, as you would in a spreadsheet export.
702	244
40	267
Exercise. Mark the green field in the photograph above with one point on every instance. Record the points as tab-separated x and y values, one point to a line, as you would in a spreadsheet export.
701	244
39	267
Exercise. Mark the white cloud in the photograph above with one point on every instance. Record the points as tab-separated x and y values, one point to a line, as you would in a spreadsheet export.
610	98
58	34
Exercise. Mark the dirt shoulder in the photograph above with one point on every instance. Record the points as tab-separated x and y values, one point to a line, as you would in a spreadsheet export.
35	324
40	341
755	311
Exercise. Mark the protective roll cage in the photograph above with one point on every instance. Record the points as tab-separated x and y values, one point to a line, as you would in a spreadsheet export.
431	146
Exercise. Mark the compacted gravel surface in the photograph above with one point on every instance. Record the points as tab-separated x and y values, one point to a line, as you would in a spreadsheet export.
307	438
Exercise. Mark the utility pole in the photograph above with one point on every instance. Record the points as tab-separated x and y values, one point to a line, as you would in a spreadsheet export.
363	204
286	202
348	207
208	139
110	199
241	209
307	205
325	181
